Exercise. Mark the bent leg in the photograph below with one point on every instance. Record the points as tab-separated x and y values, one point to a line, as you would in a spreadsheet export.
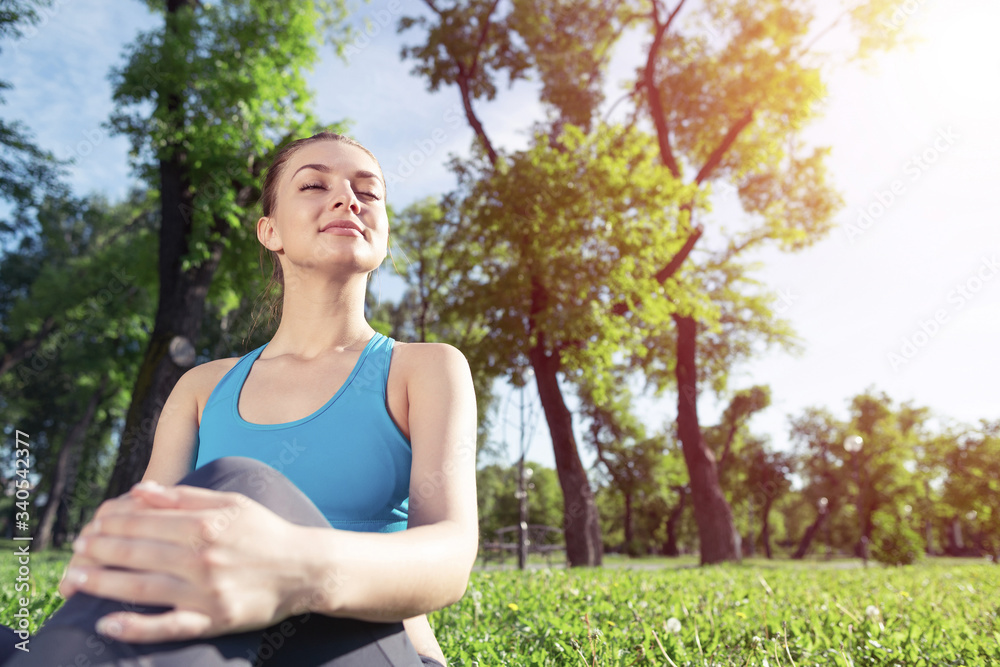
69	638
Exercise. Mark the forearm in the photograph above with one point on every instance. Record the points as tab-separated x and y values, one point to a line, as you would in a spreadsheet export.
382	576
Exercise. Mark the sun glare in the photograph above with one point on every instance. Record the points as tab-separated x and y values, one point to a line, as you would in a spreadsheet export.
955	66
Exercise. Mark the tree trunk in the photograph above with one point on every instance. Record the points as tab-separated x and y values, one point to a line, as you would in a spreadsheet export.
628	521
180	304
66	469
718	539
580	522
765	528
24	348
810	533
673	522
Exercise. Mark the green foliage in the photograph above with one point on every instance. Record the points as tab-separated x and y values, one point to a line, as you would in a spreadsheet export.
496	487
558	236
466	45
227	85
76	296
896	542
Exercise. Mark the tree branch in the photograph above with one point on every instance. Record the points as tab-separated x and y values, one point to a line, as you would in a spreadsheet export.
656	109
482	38
716	157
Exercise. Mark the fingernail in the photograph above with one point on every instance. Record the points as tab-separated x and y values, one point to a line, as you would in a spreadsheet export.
79	544
109	627
75	576
149	486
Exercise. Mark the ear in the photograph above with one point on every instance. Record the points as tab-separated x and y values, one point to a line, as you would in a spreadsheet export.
268	235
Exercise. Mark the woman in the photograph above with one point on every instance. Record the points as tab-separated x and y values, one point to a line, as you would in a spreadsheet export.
394	448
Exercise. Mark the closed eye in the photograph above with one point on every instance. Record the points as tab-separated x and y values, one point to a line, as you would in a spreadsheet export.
311	186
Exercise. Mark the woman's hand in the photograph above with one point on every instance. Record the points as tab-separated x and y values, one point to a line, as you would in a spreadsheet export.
224	563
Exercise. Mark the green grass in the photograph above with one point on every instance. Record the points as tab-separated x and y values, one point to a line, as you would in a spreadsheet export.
758	613
943	612
46	570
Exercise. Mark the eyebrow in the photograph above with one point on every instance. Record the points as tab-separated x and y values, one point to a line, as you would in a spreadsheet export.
361	173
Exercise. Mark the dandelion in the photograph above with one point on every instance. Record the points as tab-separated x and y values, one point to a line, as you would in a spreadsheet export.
611	623
512	606
673	625
904	594
741	614
872	613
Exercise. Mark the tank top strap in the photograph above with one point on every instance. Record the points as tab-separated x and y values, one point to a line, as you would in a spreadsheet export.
386	358
373	367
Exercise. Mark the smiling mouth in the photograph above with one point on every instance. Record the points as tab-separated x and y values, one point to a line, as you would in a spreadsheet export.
342	228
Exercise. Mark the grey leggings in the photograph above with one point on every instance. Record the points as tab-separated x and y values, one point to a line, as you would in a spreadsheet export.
311	640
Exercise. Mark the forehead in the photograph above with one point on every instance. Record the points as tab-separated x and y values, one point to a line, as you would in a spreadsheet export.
338	156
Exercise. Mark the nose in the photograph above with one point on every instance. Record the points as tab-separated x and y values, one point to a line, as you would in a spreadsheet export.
344	197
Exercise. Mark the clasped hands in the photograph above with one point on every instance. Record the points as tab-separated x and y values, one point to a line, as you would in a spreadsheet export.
221	560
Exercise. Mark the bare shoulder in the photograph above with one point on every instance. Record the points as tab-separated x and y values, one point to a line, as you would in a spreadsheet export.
199	381
423	359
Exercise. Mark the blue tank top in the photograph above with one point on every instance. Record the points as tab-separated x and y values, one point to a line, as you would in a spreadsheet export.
348	457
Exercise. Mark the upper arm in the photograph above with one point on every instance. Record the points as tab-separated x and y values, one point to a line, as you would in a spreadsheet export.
442	424
176	437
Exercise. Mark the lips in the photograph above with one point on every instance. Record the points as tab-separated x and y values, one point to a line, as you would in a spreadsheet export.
343	228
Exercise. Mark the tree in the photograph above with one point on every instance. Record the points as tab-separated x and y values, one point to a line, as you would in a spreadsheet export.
628	456
876	481
727	94
818	441
541	259
725	106
469	47
496	486
81	274
432	266
204	101
972	487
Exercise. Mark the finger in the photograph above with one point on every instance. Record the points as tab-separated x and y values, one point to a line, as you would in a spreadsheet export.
147	555
67	587
192	529
145	588
186	497
176	625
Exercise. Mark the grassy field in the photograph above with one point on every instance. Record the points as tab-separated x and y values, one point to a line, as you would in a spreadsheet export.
670	612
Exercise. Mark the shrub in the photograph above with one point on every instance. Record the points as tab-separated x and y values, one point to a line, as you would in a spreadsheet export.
897	544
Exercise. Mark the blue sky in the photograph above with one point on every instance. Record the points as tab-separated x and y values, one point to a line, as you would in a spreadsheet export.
904	295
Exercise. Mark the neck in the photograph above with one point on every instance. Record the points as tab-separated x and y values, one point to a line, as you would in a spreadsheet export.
321	315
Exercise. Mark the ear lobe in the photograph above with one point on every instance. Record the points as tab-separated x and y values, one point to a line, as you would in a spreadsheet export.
268	235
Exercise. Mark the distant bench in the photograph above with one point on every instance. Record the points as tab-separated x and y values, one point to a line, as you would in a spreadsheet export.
541	540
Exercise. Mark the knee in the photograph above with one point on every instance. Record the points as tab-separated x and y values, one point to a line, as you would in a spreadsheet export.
237	465
232	473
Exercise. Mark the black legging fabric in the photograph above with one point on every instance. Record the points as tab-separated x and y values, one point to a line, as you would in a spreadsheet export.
310	640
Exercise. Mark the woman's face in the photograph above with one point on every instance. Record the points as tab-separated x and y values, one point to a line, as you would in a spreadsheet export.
329	211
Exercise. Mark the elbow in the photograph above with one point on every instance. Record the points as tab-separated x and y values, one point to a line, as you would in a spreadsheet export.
463	572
